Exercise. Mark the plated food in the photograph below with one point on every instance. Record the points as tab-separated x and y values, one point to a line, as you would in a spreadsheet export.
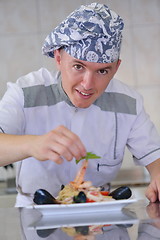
80	191
83	232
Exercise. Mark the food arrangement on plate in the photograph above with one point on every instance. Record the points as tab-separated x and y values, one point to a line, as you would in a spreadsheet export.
80	191
88	232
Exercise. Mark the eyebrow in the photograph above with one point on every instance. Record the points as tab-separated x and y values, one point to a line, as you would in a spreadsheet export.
102	68
108	67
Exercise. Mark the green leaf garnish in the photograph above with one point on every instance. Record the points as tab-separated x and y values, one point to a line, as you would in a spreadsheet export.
89	155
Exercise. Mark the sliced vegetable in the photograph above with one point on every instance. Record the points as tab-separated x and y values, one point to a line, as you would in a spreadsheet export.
89	200
104	193
94	193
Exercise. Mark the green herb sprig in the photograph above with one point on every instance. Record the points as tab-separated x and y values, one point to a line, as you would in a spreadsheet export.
89	155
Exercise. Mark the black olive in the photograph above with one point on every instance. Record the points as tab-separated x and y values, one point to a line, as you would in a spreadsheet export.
121	193
80	198
43	233
42	196
62	186
84	230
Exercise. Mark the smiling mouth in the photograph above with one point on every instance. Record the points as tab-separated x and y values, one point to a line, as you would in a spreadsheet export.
83	93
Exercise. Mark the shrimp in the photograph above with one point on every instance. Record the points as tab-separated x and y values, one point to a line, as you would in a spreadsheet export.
86	185
79	179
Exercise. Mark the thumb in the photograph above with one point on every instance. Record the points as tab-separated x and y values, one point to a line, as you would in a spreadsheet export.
151	194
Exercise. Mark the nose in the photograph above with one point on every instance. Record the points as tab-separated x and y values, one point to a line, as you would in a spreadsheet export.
88	81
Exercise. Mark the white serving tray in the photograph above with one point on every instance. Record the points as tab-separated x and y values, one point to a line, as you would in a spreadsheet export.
95	207
125	216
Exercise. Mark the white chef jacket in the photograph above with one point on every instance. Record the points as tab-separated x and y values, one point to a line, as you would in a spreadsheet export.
36	104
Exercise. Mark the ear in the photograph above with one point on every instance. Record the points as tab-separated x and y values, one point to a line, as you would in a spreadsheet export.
118	64
57	57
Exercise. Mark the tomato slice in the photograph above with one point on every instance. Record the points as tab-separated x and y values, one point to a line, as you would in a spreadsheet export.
94	193
89	200
104	193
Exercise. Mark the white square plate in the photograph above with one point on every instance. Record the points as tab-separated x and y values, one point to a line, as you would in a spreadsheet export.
67	209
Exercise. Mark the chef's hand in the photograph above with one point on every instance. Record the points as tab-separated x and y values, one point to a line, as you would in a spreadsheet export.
153	190
57	144
153	210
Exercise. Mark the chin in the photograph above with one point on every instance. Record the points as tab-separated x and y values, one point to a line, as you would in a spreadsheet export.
80	105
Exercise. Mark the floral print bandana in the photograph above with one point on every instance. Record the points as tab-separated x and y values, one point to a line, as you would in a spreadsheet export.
91	33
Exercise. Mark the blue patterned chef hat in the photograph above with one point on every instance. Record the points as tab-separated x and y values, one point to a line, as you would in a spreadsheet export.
91	33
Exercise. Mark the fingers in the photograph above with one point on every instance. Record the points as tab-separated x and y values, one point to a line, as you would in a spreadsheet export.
153	210
56	145
67	144
151	194
72	141
153	191
55	157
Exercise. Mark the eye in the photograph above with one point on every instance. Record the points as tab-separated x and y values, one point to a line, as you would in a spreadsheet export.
103	71
78	67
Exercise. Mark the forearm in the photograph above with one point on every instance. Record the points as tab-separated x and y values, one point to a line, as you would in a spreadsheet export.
57	144
14	148
154	168
153	190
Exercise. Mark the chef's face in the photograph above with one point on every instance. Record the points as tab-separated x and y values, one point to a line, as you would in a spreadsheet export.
83	81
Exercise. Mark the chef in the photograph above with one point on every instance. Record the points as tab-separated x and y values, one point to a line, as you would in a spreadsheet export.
50	119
